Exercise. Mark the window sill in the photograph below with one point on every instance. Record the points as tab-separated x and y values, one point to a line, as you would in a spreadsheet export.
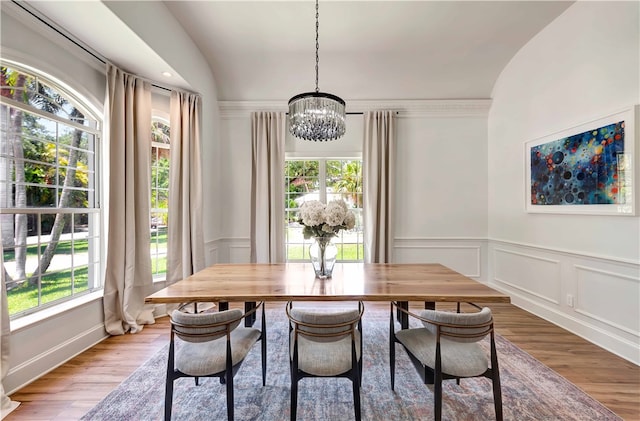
31	319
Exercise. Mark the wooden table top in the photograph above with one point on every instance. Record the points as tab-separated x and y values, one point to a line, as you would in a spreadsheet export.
350	282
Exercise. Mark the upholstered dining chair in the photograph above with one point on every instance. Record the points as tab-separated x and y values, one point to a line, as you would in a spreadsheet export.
325	343
211	344
447	347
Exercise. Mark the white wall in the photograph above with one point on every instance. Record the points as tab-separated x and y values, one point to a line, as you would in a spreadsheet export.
153	23
584	65
441	186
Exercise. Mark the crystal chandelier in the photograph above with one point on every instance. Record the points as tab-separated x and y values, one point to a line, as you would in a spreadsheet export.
317	116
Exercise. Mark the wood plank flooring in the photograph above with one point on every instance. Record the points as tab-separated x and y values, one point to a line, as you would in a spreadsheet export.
69	391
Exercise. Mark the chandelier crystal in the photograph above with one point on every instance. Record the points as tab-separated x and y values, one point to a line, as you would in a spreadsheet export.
317	116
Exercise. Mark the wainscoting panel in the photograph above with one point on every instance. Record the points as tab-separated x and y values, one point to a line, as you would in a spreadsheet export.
460	254
239	254
211	255
595	297
531	274
229	250
598	295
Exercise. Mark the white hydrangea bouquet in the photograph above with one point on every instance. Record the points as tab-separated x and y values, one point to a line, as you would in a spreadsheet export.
325	221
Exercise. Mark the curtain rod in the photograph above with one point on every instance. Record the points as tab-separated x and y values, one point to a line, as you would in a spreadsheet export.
76	43
356	113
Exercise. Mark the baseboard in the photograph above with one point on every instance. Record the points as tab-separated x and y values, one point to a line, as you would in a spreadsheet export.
36	367
589	332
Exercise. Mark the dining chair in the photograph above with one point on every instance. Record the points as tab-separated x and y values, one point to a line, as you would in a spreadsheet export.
211	344
325	343
447	347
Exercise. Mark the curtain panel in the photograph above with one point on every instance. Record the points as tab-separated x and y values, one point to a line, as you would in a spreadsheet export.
379	160
128	270
185	239
6	404
267	187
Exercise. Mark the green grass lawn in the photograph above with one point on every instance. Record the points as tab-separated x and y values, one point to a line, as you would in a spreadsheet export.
346	252
55	286
64	247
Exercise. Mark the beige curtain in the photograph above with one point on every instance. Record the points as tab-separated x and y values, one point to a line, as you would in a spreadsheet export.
6	404
128	272
185	254
267	187
379	158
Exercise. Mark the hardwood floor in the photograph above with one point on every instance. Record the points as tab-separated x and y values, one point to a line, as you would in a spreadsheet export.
69	391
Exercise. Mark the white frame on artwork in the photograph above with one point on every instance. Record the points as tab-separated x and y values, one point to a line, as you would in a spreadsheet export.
627	176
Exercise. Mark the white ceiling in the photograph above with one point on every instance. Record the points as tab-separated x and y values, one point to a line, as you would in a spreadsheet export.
369	50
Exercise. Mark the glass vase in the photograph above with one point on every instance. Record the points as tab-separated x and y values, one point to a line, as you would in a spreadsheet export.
323	255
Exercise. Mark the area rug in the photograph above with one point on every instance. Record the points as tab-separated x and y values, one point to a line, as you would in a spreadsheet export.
531	391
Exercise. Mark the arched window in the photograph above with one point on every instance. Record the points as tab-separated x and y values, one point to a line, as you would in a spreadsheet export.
49	206
160	147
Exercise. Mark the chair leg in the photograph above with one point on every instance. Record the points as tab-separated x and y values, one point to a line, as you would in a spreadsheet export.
495	377
168	399
168	394
437	386
497	396
229	396
294	398
392	350
294	381
356	396
264	347
437	395
229	381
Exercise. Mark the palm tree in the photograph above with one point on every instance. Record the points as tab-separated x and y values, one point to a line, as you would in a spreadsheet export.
45	99
350	182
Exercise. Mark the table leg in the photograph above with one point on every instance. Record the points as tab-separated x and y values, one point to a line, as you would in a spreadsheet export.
249	320
402	317
222	306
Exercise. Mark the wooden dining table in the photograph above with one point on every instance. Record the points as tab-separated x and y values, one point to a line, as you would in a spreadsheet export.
400	282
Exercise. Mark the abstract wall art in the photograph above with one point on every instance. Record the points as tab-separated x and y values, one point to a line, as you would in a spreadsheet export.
586	169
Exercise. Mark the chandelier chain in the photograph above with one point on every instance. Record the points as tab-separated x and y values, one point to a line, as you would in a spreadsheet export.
317	116
317	45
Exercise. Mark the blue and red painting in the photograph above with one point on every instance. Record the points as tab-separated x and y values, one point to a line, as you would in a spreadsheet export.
581	169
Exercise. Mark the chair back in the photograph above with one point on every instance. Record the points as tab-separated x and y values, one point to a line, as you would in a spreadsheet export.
323	326
204	327
459	327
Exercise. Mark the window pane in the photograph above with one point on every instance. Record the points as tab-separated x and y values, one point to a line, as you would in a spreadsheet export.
160	154
158	245
55	285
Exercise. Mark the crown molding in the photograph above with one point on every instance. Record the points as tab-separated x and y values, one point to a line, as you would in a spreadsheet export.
405	108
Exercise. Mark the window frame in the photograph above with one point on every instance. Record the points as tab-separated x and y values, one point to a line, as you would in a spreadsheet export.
322	197
158	276
93	210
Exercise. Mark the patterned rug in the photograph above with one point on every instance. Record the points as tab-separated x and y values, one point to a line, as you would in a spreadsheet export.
530	390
